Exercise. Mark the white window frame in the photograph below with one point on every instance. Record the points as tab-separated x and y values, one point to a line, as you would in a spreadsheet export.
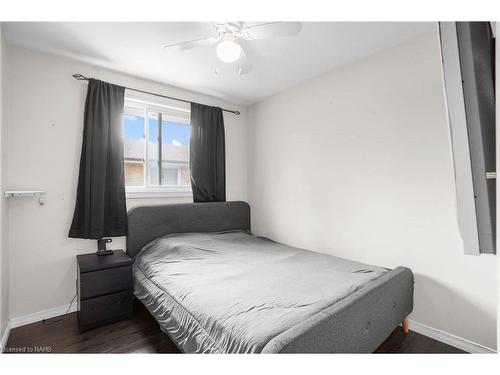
147	104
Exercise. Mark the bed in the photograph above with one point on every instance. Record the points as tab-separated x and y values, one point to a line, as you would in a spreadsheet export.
213	287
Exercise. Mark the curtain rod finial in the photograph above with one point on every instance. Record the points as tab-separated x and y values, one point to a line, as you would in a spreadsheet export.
80	77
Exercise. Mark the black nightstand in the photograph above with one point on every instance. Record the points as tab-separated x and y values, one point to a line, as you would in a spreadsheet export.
104	289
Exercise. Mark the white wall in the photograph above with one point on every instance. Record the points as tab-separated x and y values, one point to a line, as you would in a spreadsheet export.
45	119
357	163
4	256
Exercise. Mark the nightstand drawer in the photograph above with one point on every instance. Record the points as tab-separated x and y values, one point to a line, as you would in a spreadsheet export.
98	283
102	310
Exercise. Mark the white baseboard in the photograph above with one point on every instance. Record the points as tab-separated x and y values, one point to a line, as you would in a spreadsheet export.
448	338
41	315
5	337
436	334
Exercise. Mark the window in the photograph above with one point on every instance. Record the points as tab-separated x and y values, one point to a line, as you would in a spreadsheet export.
156	135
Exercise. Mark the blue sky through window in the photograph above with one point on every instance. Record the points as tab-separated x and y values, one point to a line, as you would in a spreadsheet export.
133	128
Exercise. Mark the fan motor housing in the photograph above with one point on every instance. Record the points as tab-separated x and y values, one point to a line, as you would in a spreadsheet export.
233	28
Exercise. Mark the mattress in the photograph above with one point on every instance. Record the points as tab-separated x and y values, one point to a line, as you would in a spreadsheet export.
231	292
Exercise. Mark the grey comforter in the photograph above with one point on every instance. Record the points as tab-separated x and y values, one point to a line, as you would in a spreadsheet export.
233	292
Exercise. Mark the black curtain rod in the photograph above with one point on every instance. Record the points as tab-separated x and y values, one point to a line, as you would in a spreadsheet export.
81	77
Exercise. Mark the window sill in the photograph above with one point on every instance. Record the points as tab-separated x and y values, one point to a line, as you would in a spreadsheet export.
173	193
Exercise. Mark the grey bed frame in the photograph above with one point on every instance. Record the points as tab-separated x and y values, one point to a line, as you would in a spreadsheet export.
357	324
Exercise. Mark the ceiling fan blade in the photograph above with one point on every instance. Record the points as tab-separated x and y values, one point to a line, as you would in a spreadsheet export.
202	42
271	30
244	66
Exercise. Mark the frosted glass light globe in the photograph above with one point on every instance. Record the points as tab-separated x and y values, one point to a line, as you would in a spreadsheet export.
228	51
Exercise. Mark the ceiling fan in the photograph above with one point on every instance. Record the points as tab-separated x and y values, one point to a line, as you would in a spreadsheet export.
228	34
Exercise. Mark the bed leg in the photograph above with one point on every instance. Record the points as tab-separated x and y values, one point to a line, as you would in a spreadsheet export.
406	326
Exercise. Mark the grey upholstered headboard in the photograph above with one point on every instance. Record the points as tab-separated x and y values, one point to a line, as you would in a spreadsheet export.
146	223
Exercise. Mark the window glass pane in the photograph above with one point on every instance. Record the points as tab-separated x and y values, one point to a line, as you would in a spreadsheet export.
153	151
185	177
153	174
169	175
175	153
142	143
134	154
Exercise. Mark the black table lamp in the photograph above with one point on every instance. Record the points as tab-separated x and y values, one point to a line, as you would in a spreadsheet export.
101	246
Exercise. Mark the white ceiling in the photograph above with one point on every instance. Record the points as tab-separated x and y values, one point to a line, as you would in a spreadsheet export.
278	63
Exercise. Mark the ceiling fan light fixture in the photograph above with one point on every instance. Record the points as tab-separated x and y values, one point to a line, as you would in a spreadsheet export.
228	51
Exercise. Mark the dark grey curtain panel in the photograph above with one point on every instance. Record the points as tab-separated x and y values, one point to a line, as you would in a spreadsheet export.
100	209
207	154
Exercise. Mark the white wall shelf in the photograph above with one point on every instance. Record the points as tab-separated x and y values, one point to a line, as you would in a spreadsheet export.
23	193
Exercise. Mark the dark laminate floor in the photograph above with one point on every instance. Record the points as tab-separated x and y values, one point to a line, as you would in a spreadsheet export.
142	335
